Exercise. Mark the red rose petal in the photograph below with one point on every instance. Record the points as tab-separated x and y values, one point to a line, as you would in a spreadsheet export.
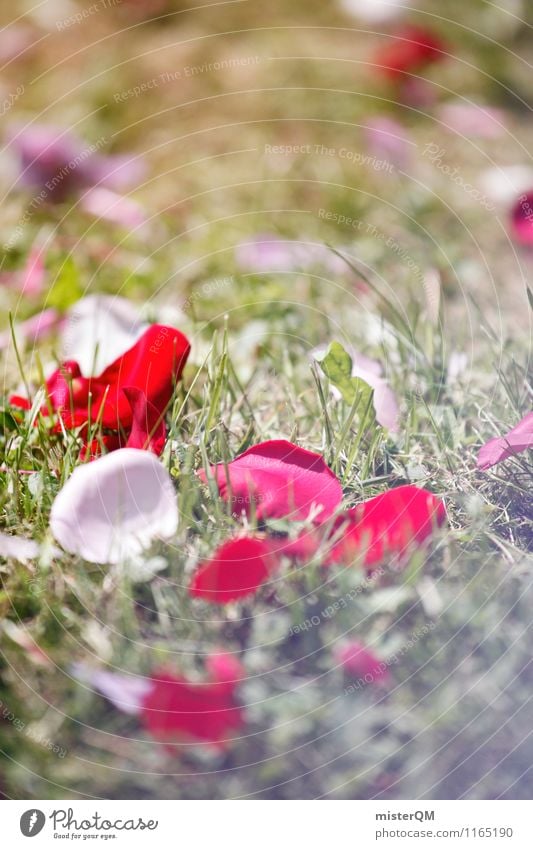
236	570
148	431
522	219
175	708
389	524
409	50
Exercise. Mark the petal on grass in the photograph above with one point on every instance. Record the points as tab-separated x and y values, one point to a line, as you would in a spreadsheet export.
391	524
279	480
114	507
148	430
360	662
18	548
237	569
522	219
176	709
407	51
516	440
125	692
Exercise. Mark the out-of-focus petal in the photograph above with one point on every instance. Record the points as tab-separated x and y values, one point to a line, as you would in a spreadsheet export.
18	548
110	206
236	570
516	440
473	119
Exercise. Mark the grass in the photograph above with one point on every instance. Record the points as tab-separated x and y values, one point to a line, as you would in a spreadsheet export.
455	720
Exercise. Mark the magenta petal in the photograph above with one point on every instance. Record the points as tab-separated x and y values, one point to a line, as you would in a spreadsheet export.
522	219
277	479
518	439
473	119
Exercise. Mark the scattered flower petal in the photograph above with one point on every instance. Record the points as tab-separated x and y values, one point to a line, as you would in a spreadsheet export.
522	219
107	205
126	692
59	164
236	570
278	479
18	548
150	367
148	431
408	51
388	139
385	404
516	440
503	184
176	709
33	329
113	508
270	253
375	11
360	662
388	525
473	119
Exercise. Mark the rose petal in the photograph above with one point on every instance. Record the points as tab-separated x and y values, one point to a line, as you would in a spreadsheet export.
18	548
503	184
360	662
107	205
114	507
37	327
126	692
375	11
518	439
522	219
225	668
279	479
175	709
473	119
61	164
270	253
388	139
236	570
409	50
389	524
385	404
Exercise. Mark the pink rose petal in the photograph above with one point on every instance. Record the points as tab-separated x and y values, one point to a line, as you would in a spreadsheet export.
518	439
33	329
103	203
279	479
473	119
